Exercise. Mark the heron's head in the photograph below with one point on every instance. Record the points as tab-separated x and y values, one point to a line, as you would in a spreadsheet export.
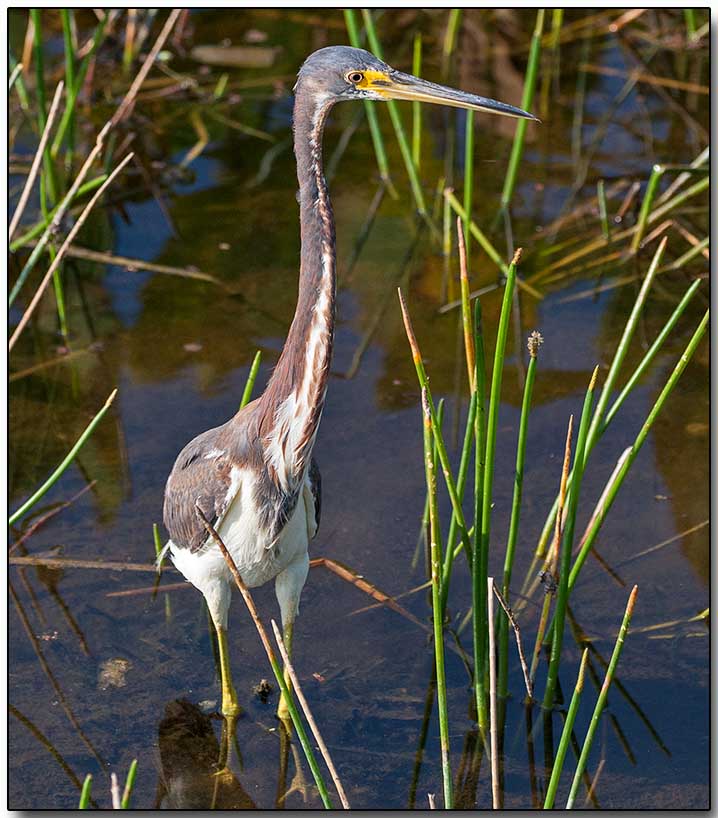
341	73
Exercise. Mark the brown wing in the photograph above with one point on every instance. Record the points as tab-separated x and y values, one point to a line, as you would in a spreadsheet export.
315	483
201	474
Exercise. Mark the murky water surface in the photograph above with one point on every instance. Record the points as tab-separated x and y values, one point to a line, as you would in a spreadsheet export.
102	671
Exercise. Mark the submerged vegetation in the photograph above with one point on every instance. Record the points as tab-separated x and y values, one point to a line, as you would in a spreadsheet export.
93	97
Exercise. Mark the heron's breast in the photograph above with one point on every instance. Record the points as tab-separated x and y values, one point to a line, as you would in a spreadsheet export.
260	557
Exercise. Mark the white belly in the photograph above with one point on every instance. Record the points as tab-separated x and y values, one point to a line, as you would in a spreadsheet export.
257	559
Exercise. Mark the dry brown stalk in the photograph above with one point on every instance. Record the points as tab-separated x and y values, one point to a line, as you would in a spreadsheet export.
468	333
369	589
627	201
655	233
129	98
30	181
649	79
140	264
519	644
34	527
416	354
63	249
625	19
59	562
239	582
693	240
551	561
27	627
172	586
594	781
115	792
553	551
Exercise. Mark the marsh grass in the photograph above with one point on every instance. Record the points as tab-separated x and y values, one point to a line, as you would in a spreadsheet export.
560	562
60	470
568	246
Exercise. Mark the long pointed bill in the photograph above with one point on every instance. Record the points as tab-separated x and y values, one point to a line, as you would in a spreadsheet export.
397	85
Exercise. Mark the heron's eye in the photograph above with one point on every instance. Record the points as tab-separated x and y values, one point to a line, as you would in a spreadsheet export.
355	77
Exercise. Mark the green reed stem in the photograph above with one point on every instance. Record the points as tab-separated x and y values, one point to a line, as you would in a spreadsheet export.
595	430
425	516
651	188
436	580
579	462
450	40
436	430
602	696
481	558
602	209
476	429
72	92
38	227
17	69
53	478
399	130
301	732
683	177
637	443
466	317
488	247
526	101
416	106
540	632
251	378
39	58
17	81
565	735
460	486
689	15
645	216
157	541
59	291
371	116
680	198
59	212
468	178
503	639
69	73
650	354
519	475
689	255
129	785
86	793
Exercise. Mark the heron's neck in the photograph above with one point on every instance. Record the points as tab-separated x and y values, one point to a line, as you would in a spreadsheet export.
293	401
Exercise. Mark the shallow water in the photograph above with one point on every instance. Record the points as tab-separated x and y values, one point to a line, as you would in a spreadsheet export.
113	666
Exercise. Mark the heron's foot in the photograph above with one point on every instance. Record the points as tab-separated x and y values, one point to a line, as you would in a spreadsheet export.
282	707
231	710
283	713
224	777
230	704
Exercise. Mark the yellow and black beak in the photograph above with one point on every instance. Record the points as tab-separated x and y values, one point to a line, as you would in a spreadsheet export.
397	85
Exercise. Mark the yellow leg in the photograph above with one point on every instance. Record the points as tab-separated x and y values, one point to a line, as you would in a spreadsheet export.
282	709
230	704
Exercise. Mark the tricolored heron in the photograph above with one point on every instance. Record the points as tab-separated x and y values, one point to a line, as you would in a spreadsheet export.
254	478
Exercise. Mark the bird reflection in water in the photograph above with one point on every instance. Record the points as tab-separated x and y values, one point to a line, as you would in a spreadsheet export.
194	765
197	770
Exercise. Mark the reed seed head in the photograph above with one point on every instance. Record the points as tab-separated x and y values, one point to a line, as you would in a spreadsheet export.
534	342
